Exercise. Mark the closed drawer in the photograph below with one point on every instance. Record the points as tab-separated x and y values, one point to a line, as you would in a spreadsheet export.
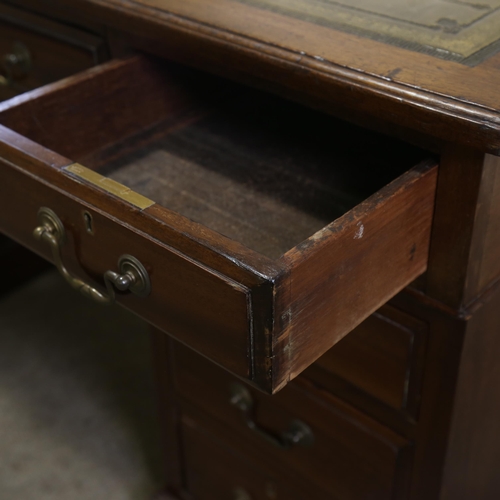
268	231
215	470
349	456
382	359
35	51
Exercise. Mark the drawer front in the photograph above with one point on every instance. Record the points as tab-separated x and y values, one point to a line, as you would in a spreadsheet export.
41	51
215	470
382	359
269	252
351	456
186	298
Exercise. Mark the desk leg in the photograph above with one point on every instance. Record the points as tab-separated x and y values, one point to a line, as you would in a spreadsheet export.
169	416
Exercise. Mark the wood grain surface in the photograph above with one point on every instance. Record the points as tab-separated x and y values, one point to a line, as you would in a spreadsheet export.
178	284
56	50
329	282
448	29
474	443
418	91
382	358
353	457
251	159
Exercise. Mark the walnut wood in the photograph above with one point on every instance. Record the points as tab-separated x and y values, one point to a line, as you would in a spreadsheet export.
437	97
463	257
352	457
57	50
381	359
169	413
216	469
274	326
443	350
264	324
104	105
486	235
321	284
473	451
96	254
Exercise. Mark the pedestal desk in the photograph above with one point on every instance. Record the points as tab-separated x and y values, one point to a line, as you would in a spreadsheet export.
302	198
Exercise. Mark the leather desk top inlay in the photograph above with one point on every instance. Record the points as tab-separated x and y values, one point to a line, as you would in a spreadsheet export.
451	29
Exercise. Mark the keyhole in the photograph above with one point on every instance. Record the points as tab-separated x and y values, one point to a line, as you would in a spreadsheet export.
89	226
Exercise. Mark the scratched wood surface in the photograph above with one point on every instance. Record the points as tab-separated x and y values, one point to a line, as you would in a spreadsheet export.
330	68
451	29
262	150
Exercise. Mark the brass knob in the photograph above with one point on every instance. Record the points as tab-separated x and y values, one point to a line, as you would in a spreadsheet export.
15	65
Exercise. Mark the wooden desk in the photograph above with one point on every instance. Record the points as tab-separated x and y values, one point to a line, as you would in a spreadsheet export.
285	291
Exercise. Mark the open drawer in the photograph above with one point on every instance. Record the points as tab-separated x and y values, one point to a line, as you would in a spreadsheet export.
267	231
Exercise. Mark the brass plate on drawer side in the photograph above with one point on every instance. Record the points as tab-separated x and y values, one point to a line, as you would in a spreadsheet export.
110	186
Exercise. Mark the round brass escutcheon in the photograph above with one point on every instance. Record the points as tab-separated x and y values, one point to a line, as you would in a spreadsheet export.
129	265
48	220
15	65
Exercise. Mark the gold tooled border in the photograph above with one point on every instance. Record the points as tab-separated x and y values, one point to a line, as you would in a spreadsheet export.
399	32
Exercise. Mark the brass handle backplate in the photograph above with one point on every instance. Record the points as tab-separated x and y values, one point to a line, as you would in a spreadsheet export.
298	433
132	275
15	65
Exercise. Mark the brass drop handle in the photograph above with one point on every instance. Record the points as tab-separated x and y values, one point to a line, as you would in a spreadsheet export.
132	276
15	65
298	433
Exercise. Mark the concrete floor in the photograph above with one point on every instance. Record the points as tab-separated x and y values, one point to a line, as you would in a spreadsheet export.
77	409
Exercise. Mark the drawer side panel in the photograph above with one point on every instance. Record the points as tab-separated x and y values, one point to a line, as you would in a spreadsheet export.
344	273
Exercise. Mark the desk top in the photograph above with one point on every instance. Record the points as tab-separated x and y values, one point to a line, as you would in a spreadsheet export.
430	66
450	29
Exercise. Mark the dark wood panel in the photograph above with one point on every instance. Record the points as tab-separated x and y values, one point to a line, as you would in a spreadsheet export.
383	358
218	470
353	457
328	291
188	300
168	414
440	98
457	442
444	348
473	453
56	51
463	256
487	230
140	93
190	238
98	107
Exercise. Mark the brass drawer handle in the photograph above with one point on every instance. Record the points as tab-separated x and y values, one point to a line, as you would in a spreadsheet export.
132	277
15	65
298	433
